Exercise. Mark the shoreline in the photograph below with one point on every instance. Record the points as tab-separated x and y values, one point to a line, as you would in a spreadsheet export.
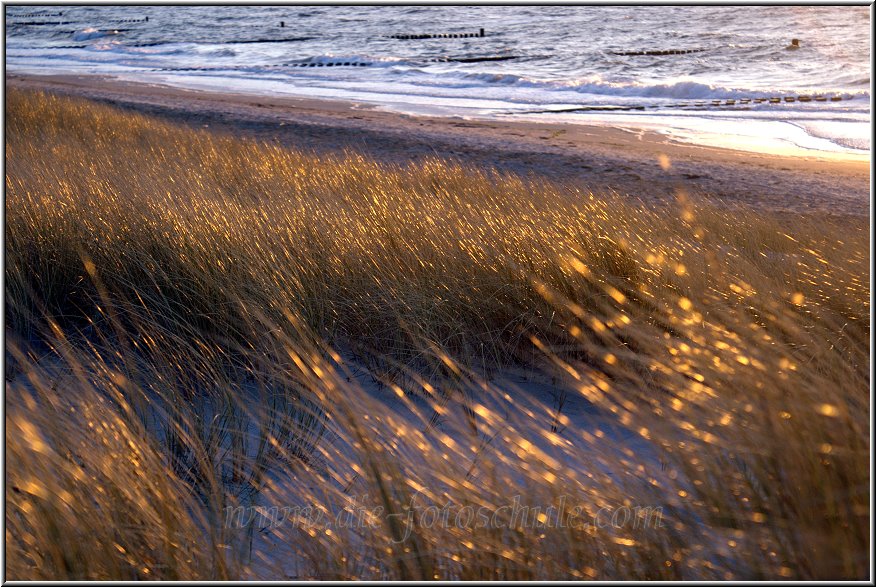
642	164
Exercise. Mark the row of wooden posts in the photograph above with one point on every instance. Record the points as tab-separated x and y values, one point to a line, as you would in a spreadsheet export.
777	100
355	63
480	33
59	22
664	52
694	104
743	102
38	14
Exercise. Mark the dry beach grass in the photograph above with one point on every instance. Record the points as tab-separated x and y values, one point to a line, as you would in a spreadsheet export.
196	322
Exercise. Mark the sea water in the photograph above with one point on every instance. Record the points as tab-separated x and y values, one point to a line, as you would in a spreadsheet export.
722	75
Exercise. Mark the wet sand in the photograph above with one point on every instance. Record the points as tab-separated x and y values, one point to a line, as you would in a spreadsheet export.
599	158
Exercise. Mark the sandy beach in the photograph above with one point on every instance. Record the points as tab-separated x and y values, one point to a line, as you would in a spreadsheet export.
595	157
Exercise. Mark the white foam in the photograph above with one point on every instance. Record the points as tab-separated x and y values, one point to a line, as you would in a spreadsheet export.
91	33
851	135
767	136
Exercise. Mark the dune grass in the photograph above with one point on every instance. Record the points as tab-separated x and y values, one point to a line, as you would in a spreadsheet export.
189	316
